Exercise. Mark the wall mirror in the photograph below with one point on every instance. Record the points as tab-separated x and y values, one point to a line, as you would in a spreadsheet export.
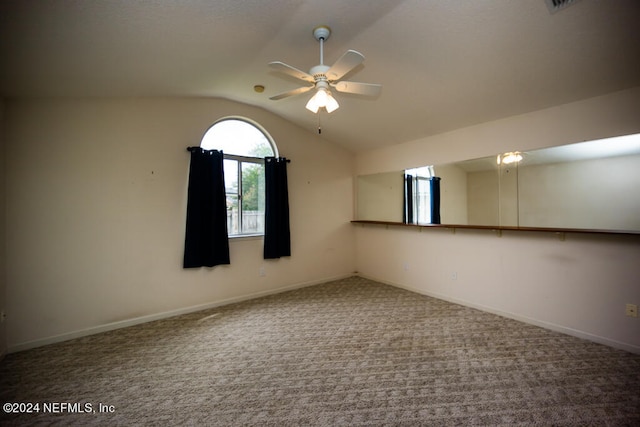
589	185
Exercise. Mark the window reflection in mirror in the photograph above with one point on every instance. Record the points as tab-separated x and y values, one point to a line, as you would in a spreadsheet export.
418	198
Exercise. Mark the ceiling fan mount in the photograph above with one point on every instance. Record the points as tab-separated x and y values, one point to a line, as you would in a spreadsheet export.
321	32
323	77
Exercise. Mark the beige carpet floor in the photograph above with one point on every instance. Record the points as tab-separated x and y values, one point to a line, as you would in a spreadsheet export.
349	352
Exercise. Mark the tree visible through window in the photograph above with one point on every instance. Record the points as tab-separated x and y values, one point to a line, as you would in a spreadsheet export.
244	146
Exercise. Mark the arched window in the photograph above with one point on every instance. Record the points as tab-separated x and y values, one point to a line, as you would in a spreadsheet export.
244	144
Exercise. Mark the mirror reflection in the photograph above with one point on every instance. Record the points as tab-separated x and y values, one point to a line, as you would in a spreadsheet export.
380	197
589	185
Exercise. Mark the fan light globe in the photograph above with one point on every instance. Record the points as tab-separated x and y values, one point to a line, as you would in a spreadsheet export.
313	105
508	158
332	104
322	98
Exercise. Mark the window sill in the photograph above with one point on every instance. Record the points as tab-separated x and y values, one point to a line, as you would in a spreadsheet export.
246	237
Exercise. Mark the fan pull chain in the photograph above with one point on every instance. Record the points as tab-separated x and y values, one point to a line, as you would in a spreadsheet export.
319	125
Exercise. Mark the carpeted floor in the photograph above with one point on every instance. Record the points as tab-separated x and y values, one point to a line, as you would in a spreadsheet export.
349	352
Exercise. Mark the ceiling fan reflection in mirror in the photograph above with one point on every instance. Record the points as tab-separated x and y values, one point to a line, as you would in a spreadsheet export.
323	77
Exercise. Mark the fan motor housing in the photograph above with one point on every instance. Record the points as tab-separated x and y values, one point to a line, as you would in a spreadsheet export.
319	72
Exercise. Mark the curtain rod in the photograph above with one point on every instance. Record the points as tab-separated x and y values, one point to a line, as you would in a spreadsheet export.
200	148
279	158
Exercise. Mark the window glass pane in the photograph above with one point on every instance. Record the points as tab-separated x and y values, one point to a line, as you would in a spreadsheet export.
252	198
237	137
231	189
233	219
423	201
231	176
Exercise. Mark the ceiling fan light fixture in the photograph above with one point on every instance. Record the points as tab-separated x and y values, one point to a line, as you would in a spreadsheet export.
332	104
508	158
322	77
322	98
313	105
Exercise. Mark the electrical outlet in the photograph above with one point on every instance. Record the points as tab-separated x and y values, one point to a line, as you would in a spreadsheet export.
631	310
262	272
454	275
405	266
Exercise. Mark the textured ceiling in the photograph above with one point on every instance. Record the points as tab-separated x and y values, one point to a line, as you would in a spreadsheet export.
443	64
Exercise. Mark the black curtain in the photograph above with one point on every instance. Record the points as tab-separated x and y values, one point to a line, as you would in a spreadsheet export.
434	183
408	199
277	236
206	239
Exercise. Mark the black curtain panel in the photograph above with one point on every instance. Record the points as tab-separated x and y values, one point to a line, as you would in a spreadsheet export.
206	239
277	236
434	183
408	199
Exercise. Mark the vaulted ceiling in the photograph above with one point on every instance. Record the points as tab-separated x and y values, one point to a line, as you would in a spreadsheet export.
443	64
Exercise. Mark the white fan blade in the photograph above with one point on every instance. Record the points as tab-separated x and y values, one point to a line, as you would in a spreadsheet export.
292	71
297	91
347	62
368	89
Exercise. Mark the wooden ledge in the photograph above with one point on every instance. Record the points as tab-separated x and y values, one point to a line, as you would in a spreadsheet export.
496	228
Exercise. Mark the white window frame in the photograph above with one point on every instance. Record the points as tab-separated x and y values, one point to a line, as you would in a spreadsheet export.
241	159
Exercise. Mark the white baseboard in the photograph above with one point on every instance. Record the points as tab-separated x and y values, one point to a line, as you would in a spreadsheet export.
159	316
546	325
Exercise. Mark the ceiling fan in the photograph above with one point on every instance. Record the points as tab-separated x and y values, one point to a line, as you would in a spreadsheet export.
323	77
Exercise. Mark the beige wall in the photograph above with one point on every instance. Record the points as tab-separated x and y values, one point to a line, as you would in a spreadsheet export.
579	285
96	200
